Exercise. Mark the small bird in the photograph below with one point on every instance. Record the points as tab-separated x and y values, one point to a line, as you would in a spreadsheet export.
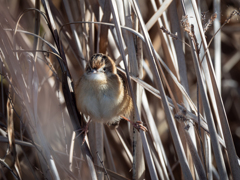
102	94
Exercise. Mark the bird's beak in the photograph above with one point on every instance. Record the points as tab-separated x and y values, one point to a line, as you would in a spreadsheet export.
93	71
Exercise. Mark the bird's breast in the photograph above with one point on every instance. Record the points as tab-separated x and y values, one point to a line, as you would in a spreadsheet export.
99	98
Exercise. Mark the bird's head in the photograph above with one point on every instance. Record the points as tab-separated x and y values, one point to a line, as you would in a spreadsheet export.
99	65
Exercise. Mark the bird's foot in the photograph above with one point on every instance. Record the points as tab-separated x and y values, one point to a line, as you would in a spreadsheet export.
83	130
137	125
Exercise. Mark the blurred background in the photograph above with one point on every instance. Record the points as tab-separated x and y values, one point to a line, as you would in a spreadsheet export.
36	125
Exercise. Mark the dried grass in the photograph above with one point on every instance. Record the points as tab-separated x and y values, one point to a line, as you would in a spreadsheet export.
191	113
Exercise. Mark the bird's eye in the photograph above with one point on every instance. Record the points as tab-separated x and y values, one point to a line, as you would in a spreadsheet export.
104	69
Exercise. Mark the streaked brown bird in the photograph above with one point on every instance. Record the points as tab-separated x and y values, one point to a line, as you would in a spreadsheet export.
102	94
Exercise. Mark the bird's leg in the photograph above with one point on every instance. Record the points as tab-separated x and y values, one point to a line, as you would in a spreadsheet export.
137	125
84	130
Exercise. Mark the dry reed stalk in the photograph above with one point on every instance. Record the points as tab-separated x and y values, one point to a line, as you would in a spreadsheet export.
192	132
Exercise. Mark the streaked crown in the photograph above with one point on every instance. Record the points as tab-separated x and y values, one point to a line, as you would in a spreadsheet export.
101	61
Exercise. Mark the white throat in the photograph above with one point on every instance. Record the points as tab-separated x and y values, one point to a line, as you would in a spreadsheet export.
96	76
